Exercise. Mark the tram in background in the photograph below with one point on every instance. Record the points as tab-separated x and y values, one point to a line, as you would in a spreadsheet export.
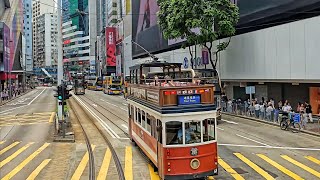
94	83
173	121
79	85
112	85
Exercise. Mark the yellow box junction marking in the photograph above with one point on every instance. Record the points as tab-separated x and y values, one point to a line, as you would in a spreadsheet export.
254	166
281	168
312	171
25	162
313	159
153	175
9	147
83	163
128	164
15	154
229	169
105	166
36	172
52	117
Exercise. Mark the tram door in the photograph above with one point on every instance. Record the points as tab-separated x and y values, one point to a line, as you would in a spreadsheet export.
160	152
131	119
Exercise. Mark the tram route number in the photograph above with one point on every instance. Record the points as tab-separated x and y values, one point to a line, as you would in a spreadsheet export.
189	99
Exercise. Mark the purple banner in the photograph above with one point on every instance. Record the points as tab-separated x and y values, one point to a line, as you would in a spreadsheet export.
205	56
6	48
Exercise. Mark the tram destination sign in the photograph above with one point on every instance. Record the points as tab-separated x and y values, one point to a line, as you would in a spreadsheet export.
189	99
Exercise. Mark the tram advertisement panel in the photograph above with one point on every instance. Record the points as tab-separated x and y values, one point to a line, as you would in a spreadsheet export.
189	99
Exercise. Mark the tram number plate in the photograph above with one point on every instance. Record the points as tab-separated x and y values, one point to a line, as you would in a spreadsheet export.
189	99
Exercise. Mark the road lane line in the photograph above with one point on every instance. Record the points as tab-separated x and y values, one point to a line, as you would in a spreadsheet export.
269	147
52	117
94	105
124	109
123	125
82	165
8	147
3	112
25	162
220	129
128	164
313	159
254	166
36	97
230	122
102	123
15	154
252	140
280	167
105	166
1	142
153	175
310	170
229	169
36	172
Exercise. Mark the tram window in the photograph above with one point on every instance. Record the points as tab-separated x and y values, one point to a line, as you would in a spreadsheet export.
132	112
159	131
174	133
208	126
136	119
143	119
148	123
139	116
193	132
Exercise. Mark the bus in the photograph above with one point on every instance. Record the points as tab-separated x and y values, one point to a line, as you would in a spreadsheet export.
79	85
125	86
113	85
174	122
94	83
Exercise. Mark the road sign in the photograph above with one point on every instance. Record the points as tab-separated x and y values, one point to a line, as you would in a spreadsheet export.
250	90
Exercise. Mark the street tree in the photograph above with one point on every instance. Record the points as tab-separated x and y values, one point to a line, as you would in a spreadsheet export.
199	22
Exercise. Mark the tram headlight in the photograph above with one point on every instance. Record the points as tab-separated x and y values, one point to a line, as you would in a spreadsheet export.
194	163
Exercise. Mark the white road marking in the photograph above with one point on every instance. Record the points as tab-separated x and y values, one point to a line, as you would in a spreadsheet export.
101	100
123	125
36	97
94	105
124	109
270	147
252	140
220	129
2	112
102	123
125	104
230	122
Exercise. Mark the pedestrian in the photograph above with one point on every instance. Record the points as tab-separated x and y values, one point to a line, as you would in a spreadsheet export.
303	116
309	111
269	111
257	109
262	110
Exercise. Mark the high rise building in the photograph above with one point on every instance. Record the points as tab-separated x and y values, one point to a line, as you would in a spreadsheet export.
79	34
46	41
27	31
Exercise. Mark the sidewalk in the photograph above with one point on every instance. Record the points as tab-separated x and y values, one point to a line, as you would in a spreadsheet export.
311	128
7	101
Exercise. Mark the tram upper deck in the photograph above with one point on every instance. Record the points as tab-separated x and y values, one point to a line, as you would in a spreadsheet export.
172	93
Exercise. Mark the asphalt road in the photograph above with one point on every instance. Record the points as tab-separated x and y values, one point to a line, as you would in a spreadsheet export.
252	150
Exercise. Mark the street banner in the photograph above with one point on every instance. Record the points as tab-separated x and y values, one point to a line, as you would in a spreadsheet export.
205	56
111	46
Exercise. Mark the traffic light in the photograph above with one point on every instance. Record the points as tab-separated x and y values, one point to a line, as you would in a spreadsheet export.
60	93
66	93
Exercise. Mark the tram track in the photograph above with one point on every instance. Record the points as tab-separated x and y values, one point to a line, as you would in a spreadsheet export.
109	111
115	157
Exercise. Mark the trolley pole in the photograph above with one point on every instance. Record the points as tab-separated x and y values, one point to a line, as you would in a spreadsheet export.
60	63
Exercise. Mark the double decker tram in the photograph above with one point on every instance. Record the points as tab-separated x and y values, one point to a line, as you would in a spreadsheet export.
173	121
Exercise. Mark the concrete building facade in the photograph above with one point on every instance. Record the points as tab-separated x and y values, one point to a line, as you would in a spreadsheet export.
27	31
46	41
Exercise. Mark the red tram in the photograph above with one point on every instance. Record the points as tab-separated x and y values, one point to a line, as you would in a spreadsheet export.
173	120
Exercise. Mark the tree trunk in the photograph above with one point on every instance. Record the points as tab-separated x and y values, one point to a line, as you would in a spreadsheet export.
191	60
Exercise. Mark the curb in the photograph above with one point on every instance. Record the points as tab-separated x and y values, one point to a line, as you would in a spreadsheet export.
265	122
2	104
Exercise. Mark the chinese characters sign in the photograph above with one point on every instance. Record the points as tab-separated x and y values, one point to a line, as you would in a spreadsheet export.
189	99
111	46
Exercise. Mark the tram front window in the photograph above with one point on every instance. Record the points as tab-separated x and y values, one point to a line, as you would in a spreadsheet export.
174	133
208	128
193	132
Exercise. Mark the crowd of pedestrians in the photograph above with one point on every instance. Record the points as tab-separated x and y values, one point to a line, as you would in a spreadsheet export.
16	90
267	109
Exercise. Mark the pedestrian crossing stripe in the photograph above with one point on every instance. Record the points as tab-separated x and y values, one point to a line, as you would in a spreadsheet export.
229	169
36	172
105	166
128	173
8	147
254	166
15	154
313	159
25	162
281	168
82	165
1	142
306	168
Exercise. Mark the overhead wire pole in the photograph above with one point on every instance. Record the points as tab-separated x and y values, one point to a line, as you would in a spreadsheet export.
60	59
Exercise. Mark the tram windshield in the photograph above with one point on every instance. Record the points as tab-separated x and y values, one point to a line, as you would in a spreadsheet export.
192	132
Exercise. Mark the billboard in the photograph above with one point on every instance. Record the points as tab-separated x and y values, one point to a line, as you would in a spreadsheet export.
6	48
111	46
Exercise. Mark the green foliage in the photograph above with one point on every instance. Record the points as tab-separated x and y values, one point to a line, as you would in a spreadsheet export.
213	18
